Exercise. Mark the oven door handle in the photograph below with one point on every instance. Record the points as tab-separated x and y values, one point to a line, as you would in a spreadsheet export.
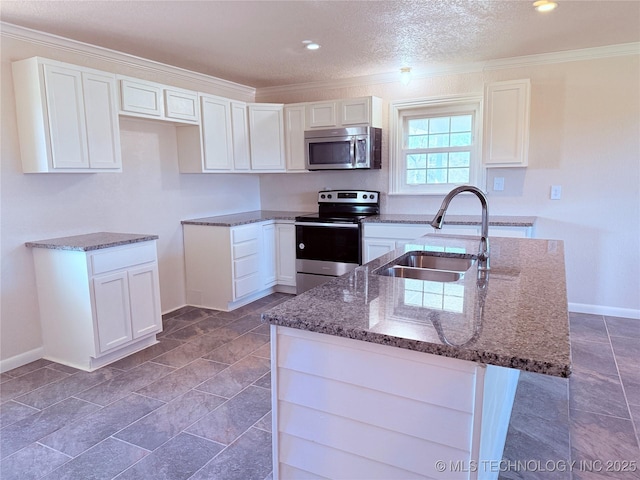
327	225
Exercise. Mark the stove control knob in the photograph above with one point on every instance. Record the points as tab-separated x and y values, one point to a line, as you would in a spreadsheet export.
301	246
322	196
329	196
364	196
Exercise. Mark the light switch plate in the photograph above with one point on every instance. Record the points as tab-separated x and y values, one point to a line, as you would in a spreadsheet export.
498	184
556	192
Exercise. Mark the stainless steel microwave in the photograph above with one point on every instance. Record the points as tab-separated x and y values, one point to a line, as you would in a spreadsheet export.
343	148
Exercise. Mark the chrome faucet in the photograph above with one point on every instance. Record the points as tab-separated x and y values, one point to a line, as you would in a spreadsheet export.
483	249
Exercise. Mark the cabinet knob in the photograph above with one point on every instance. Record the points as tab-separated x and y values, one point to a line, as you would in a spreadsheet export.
301	246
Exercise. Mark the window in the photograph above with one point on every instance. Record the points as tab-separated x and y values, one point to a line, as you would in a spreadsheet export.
435	144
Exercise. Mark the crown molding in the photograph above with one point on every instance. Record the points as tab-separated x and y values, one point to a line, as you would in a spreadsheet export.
474	67
36	37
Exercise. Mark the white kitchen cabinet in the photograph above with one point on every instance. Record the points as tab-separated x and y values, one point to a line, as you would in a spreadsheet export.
240	136
98	306
294	125
506	124
266	137
286	253
67	118
269	255
144	99
345	113
381	238
217	141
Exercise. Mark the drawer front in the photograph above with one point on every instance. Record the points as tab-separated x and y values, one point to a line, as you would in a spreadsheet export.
245	233
245	249
122	257
246	285
246	266
141	97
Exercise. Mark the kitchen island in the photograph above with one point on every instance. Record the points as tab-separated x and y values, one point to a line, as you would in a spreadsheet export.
382	377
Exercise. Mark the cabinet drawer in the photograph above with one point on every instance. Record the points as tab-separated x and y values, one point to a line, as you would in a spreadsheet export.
141	97
246	266
181	105
114	259
246	285
243	234
245	249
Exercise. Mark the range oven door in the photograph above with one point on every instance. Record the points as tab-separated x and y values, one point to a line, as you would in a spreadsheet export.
325	250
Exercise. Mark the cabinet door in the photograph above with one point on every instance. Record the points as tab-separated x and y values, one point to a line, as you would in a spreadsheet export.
240	135
144	300
356	111
286	254
376	247
65	108
137	96
268	255
216	133
181	104
506	126
294	137
266	134
113	318
321	115
101	114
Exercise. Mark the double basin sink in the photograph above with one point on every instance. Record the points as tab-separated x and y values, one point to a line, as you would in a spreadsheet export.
421	265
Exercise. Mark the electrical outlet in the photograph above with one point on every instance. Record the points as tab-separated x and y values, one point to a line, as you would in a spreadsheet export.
556	192
498	184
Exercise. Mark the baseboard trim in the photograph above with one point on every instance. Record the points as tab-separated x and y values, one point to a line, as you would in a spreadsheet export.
21	359
601	310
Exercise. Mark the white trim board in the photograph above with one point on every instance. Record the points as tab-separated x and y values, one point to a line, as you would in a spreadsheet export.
234	90
606	311
21	359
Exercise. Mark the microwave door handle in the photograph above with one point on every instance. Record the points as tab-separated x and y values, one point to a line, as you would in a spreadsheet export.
354	152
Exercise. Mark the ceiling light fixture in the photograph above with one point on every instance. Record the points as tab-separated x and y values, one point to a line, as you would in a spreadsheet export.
544	5
405	75
309	45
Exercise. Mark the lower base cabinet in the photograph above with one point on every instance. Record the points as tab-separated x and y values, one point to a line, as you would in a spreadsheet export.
99	306
228	267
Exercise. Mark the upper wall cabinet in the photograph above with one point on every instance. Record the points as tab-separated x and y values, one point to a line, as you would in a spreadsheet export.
266	137
506	128
345	113
294	118
140	98
67	118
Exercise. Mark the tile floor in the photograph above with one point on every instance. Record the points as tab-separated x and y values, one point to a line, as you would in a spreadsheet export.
197	406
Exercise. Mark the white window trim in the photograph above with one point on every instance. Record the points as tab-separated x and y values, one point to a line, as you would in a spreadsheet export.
396	169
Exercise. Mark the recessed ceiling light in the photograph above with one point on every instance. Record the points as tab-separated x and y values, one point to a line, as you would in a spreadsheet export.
309	45
544	5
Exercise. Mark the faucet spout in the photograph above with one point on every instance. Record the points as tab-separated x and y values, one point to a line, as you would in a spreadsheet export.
483	248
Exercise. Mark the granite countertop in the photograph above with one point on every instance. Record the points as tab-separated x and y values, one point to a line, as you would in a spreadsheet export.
517	318
494	220
91	241
244	218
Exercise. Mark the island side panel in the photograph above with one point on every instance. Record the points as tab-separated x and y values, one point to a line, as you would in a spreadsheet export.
346	408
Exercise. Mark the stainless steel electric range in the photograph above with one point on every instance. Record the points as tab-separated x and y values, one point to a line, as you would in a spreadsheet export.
329	243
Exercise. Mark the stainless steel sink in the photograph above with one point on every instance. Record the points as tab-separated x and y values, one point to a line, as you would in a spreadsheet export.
435	267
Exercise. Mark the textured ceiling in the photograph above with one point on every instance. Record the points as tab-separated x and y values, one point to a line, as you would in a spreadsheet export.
259	43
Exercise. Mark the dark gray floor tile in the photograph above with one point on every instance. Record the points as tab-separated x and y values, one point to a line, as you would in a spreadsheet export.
623	327
215	339
542	396
598	471
183	355
12	412
201	327
262	329
4	377
627	351
101	462
196	313
126	383
171	325
264	351
228	421
31	462
602	437
164	345
264	381
169	420
29	367
177	459
593	357
265	423
83	434
238	349
30	429
246	323
521	448
635	416
237	377
597	393
176	312
64	368
67	387
248	458
182	380
29	381
630	377
588	327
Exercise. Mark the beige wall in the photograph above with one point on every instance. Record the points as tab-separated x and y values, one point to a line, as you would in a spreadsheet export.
585	125
150	196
